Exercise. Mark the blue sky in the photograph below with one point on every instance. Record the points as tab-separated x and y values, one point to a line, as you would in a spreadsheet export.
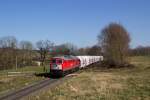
75	21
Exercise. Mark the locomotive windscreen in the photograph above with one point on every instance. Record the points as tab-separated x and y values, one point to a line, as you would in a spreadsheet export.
54	61
58	61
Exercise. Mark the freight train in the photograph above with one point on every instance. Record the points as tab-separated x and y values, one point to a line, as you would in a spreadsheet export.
61	65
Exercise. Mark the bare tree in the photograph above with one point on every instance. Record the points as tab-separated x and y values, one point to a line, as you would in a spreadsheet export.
64	49
94	50
8	46
83	51
26	45
60	50
26	52
43	48
8	42
114	40
71	47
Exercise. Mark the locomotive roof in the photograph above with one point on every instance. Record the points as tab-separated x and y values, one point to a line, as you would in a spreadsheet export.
66	57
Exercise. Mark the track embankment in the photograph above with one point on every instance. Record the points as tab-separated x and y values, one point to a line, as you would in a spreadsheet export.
18	94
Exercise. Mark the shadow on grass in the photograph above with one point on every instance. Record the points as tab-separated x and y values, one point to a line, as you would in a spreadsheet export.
104	67
47	75
42	75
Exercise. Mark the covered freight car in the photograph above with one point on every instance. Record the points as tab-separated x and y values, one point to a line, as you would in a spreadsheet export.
87	60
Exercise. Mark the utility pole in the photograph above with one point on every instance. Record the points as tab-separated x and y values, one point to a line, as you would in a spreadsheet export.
16	63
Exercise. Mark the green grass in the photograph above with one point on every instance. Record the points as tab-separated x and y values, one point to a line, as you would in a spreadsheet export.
12	83
104	84
25	69
9	83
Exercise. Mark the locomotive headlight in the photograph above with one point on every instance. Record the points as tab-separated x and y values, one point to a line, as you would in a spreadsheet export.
59	66
56	67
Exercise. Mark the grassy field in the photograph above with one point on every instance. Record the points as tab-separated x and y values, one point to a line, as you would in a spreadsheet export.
12	81
25	69
103	84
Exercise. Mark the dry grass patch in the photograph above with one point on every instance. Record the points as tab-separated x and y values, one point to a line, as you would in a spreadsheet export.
97	84
11	80
12	83
84	86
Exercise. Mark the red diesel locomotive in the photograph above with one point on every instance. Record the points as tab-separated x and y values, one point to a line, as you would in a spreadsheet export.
64	64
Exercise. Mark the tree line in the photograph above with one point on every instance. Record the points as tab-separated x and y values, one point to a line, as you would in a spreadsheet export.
113	44
15	54
140	51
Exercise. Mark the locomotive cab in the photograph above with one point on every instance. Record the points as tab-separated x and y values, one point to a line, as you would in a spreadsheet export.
56	66
63	65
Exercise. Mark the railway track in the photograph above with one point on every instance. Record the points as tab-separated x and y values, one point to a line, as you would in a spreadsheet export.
16	95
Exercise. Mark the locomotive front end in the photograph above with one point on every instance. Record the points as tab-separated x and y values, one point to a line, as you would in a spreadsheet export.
56	66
